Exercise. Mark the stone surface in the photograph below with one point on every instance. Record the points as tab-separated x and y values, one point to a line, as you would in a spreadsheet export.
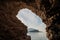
12	29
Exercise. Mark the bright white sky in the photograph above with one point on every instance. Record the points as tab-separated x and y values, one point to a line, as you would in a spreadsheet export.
30	19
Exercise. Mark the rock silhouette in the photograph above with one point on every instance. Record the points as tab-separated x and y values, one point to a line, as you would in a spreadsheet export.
33	30
12	29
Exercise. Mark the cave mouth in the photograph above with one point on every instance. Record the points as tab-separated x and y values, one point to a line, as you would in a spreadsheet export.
36	28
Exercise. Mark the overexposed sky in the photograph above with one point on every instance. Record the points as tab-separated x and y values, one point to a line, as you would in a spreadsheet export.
30	19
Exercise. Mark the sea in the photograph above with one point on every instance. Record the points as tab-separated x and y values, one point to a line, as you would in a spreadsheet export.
38	35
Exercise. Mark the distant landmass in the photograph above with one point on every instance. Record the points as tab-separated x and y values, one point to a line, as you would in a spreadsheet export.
33	30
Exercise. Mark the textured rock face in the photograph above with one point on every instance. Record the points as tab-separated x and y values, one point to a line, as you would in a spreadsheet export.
12	29
52	8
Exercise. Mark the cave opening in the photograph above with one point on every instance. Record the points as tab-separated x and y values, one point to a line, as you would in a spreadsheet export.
35	26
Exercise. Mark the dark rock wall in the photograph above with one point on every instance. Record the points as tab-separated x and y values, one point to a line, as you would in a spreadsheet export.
12	29
52	11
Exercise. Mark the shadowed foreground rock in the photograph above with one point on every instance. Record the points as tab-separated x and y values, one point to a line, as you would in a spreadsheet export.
12	29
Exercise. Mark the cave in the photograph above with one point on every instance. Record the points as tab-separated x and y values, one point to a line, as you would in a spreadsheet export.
12	29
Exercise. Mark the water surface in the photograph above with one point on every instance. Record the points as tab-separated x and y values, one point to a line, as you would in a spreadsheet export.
38	36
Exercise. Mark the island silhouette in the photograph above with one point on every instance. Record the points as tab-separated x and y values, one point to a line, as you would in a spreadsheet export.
33	30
